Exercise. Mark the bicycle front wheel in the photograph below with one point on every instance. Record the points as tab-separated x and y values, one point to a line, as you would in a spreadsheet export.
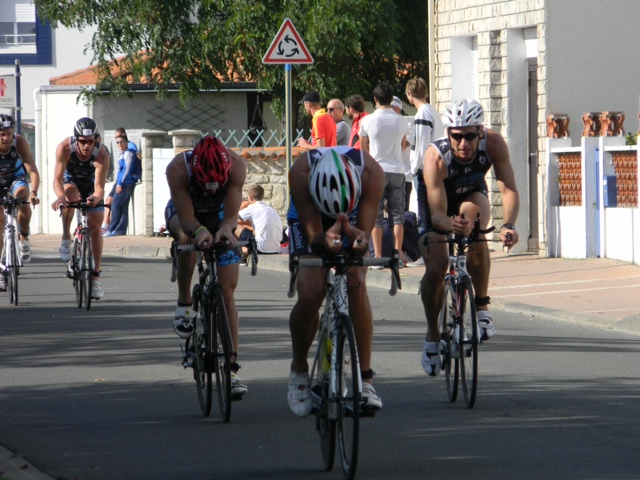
348	397
76	258
221	352
325	426
86	267
201	340
468	338
12	274
450	353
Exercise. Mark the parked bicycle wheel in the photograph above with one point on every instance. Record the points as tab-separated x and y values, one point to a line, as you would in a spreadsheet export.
200	343
221	352
76	269
468	339
450	353
348	393
325	426
87	261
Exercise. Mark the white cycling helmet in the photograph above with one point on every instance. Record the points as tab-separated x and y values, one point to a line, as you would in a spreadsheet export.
334	184
464	113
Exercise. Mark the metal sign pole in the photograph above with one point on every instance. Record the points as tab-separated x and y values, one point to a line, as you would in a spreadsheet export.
287	107
18	104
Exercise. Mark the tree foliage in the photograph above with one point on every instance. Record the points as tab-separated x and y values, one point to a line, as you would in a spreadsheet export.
190	45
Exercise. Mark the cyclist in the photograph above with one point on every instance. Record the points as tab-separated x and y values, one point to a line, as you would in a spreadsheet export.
454	170
80	173
329	212
206	193
16	161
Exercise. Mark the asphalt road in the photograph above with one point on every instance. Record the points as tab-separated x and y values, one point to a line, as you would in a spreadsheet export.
101	394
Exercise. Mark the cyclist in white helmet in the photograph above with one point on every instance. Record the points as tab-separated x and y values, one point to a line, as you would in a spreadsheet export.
454	173
334	203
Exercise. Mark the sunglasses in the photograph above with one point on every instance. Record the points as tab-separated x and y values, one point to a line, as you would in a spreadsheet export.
469	137
333	108
120	142
86	142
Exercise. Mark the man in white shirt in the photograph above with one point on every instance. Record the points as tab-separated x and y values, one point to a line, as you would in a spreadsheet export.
262	221
382	135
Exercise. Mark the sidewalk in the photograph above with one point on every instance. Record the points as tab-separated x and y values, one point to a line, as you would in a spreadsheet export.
596	291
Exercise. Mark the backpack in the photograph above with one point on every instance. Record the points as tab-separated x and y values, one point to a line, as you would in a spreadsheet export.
137	166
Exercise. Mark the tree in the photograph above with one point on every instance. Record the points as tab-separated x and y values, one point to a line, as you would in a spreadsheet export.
194	45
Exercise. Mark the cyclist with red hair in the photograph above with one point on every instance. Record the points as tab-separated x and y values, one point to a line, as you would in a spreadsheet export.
206	193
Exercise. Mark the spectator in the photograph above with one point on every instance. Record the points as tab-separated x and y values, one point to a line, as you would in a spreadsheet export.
396	105
335	107
323	127
427	127
260	220
126	181
355	111
382	135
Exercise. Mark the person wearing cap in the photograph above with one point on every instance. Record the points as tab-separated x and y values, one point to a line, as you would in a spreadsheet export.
335	108
323	127
16	162
382	134
355	110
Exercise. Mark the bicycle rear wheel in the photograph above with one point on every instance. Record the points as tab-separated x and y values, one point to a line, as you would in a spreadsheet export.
87	261
221	352
325	426
348	397
468	339
450	354
77	271
200	342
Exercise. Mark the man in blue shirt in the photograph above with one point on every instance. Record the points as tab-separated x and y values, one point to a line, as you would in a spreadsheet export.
125	183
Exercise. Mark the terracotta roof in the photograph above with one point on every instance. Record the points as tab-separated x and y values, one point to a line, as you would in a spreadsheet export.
89	76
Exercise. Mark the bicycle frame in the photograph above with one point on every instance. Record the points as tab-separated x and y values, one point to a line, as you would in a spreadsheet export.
10	230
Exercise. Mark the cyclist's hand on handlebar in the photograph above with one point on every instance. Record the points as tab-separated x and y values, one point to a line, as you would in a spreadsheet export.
224	235
33	198
59	203
460	225
333	237
359	238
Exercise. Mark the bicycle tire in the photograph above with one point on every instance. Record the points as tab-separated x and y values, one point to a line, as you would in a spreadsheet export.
221	353
77	274
468	338
12	274
325	426
200	339
87	261
348	397
450	356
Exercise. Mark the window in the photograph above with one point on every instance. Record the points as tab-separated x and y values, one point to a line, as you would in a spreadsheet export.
22	35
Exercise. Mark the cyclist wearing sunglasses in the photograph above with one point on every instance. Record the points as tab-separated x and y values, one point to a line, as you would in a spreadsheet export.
80	174
454	173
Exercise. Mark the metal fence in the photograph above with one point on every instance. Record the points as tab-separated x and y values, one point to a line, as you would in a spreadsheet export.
253	138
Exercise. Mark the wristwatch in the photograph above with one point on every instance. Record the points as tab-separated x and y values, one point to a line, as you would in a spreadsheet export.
35	194
508	226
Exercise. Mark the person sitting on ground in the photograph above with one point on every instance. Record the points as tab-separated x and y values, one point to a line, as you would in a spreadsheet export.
260	220
16	162
335	194
206	192
454	174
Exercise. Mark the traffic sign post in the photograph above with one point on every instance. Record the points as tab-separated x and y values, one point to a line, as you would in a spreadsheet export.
287	48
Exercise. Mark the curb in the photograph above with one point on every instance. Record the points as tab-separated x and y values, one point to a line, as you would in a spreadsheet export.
14	467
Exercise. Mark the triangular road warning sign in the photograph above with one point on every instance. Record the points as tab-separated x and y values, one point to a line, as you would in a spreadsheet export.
287	47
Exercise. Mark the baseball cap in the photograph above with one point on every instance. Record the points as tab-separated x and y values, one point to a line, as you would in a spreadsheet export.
396	102
313	97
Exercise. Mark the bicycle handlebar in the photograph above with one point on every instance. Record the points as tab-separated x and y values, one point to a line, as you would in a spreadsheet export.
343	262
253	250
13	202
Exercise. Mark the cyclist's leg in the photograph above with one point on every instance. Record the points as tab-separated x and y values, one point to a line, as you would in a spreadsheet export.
94	219
72	194
478	258
436	260
228	279
186	260
21	192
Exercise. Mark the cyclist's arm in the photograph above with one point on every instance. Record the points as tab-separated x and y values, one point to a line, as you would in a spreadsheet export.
233	198
101	163
62	157
30	165
499	154
435	173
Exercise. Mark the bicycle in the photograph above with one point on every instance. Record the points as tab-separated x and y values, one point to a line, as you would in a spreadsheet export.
11	257
210	347
80	266
459	337
334	378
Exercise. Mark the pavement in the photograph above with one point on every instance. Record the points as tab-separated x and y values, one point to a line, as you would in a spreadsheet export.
596	291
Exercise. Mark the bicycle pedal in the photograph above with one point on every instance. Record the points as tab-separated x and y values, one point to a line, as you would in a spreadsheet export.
364	413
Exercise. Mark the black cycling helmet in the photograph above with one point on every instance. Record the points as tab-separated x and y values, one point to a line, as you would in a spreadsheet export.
6	121
85	127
